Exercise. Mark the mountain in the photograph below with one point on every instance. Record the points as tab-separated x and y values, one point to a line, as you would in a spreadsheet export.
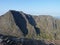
24	25
58	17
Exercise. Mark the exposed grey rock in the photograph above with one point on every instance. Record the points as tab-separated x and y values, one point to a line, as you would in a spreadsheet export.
21	25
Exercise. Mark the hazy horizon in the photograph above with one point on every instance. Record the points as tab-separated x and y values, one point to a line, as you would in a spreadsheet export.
35	7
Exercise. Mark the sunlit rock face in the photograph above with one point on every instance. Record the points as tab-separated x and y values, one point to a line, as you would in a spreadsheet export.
24	25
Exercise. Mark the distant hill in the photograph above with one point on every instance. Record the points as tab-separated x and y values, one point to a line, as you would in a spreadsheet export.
58	17
24	25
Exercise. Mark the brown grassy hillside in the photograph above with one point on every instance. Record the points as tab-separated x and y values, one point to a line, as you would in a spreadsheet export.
20	24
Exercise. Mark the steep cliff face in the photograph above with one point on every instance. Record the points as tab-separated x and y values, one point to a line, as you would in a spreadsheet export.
19	24
8	25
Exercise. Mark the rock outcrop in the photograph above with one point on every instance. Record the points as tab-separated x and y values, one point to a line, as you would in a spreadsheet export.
24	25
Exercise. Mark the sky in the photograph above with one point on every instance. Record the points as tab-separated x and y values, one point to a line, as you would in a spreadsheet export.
34	7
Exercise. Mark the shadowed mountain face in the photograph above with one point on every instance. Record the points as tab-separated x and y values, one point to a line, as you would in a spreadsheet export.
19	24
33	23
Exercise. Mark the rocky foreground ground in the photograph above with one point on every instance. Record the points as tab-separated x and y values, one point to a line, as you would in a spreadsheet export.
10	40
29	42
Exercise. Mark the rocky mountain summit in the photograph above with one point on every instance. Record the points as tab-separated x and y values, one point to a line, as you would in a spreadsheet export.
22	25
